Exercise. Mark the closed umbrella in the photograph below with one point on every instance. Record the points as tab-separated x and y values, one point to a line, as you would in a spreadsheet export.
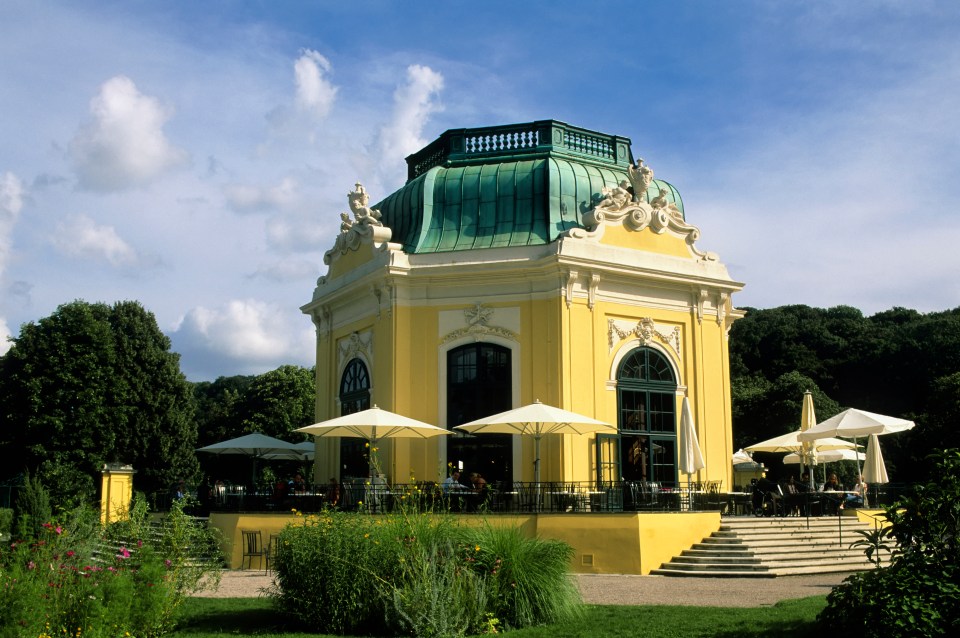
374	424
808	419
874	469
536	419
691	458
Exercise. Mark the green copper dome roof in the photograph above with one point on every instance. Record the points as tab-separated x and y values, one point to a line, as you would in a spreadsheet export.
516	185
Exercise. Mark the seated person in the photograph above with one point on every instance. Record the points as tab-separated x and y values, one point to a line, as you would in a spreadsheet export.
332	494
479	483
858	497
452	483
297	484
832	504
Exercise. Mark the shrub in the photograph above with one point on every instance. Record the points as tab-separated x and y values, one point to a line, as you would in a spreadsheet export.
75	578
419	574
32	509
918	594
6	521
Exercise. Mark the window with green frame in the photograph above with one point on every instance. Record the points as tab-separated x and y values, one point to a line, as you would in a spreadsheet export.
647	419
354	397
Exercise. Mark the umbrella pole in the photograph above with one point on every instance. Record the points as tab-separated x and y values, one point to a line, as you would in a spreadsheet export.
536	468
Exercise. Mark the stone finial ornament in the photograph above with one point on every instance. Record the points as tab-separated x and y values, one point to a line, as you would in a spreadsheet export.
365	224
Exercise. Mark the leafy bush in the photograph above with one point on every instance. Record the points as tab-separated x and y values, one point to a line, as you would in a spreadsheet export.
6	521
75	578
918	594
419	574
32	509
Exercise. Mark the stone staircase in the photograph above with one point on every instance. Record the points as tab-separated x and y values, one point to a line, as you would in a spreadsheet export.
769	547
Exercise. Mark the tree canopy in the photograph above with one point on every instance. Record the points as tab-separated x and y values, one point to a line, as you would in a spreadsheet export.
898	362
94	384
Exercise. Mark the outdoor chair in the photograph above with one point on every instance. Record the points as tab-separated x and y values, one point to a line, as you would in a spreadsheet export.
253	547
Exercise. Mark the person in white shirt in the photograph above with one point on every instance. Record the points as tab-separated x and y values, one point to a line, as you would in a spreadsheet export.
452	482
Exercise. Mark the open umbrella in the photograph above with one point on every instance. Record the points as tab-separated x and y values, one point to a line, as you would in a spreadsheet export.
536	419
304	451
791	443
256	446
740	457
829	456
374	424
691	458
853	423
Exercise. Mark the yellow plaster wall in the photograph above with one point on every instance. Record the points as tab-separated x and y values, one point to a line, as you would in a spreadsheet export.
616	543
666	244
351	260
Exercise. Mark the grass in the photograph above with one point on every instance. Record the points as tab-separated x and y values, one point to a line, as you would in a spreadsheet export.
210	617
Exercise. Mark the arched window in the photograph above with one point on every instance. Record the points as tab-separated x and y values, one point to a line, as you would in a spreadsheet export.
479	384
647	419
354	397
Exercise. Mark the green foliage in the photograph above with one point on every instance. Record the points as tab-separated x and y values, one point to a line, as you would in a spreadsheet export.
419	574
32	509
93	384
918	594
874	543
77	579
6	521
898	362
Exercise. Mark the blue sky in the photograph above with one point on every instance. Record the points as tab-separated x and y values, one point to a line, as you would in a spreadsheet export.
195	156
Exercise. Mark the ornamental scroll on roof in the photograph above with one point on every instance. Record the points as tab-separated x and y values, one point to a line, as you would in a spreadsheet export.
365	224
625	203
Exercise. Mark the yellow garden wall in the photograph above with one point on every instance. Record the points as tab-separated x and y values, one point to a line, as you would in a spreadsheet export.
615	543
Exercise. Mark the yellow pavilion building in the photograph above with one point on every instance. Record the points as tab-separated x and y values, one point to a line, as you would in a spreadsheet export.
536	261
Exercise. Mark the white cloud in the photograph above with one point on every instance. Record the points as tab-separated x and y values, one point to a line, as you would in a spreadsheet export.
245	198
413	104
315	94
124	144
4	337
79	236
11	202
301	232
247	335
288	270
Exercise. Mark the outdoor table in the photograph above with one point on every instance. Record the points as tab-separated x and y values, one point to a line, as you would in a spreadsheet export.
564	501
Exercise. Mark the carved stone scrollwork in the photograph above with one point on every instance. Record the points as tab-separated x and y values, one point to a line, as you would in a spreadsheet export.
592	294
571	281
625	204
353	345
645	330
479	320
365	225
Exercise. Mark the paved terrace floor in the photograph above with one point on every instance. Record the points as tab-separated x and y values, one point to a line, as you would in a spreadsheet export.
607	589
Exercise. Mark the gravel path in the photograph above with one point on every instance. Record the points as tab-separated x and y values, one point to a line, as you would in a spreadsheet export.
604	589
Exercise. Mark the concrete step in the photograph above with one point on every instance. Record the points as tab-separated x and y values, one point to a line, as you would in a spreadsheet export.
761	547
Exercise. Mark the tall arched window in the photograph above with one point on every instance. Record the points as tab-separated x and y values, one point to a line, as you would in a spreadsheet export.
479	384
646	400
354	397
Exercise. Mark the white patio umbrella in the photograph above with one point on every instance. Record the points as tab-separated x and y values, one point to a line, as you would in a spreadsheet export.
853	423
830	456
374	424
256	446
304	451
808	419
536	419
691	458
740	457
874	469
790	442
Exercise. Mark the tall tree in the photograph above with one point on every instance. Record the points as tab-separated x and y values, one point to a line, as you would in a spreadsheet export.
94	384
279	401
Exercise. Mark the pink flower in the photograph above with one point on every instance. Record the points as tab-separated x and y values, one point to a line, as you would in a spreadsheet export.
31	565
70	553
124	553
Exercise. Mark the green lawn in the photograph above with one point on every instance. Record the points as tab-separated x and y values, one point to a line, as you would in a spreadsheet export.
210	617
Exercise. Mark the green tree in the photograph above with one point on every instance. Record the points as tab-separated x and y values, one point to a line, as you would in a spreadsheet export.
278	402
217	408
93	384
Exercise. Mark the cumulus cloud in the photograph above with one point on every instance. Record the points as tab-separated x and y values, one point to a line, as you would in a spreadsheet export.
299	233
287	270
247	335
245	198
80	237
11	201
315	94
124	144
413	103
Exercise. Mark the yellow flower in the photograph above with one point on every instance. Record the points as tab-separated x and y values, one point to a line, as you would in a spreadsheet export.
366	535
367	444
477	548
